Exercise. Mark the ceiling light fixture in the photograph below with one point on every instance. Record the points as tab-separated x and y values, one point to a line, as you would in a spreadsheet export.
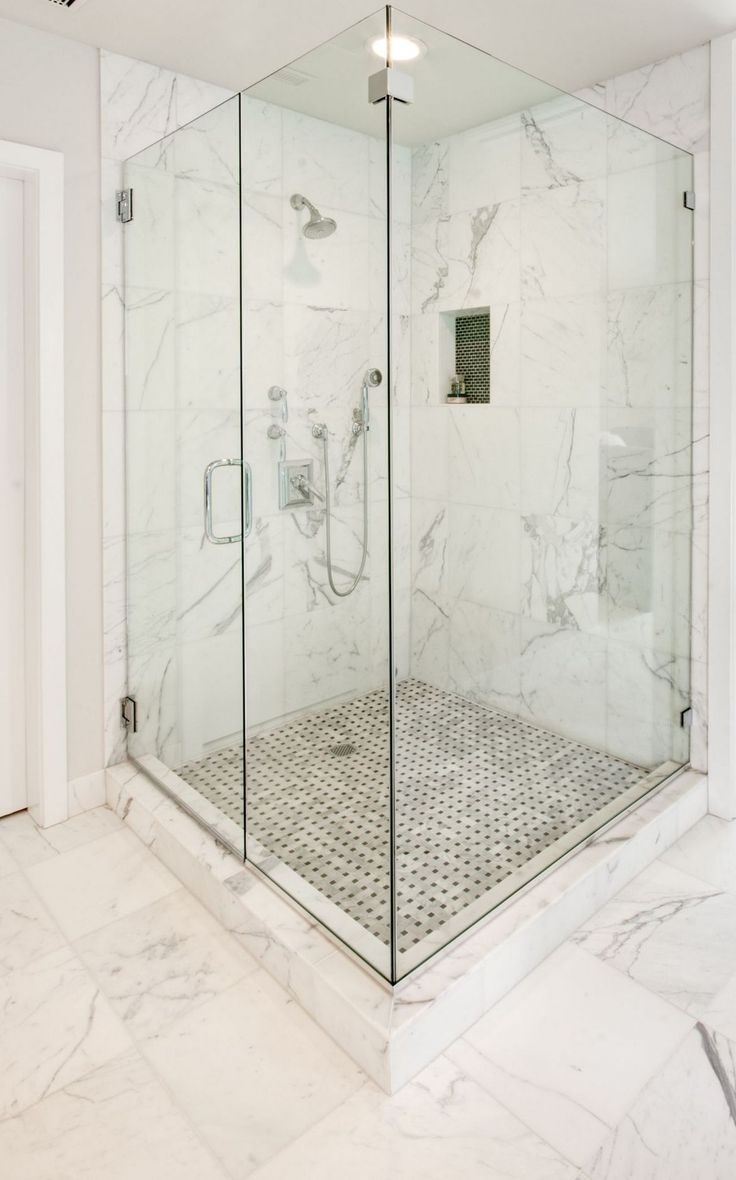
402	48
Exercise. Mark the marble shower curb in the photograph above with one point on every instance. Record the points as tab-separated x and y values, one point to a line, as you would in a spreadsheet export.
394	1033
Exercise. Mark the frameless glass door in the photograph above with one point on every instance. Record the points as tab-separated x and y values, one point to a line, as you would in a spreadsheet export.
315	395
184	474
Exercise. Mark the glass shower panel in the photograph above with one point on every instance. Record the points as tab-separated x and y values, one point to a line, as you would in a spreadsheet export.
542	573
315	395
183	344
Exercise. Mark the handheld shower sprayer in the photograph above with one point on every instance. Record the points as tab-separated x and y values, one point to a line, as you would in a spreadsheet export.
372	379
361	425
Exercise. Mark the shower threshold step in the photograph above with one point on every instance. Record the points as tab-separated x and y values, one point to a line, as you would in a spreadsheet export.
393	1033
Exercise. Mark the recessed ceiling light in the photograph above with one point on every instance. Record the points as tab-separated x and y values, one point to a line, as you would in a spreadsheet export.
402	48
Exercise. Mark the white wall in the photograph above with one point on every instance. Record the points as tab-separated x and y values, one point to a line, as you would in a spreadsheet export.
49	97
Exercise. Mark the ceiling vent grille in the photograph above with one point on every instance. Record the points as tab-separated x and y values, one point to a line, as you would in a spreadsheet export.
67	3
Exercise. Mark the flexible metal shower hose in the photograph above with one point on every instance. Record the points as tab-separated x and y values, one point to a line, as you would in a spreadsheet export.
328	515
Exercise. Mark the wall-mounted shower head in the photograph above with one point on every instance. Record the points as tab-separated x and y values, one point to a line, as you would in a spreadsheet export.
317	226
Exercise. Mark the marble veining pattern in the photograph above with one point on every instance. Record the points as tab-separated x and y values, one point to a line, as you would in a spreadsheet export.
195	1062
595	501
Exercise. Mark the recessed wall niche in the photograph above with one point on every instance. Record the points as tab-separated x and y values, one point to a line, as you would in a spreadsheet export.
465	349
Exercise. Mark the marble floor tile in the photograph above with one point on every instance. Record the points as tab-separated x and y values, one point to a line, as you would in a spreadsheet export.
163	960
116	1123
27	930
252	1072
30	844
442	1125
720	1012
8	863
55	1026
100	882
707	851
569	1048
672	932
683	1124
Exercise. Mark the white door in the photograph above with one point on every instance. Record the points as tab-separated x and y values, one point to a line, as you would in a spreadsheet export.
13	793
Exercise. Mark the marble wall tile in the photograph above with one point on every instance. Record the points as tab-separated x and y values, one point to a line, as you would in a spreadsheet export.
647	588
429	453
563	142
113	346
648	466
207	348
482	256
484	655
563	352
563	680
207	237
647	689
484	555
265	694
429	182
430	641
669	98
505	353
138	104
561	463
114	617
563	241
150	340
329	164
649	358
484	455
262	133
327	654
150	252
649	229
563	572
208	146
483	166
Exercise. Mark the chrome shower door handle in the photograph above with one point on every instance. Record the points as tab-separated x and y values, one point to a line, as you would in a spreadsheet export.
209	471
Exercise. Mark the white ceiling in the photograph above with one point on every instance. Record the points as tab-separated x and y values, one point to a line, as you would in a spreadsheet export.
570	43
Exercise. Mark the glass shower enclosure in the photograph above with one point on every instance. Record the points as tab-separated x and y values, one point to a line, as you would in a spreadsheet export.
409	433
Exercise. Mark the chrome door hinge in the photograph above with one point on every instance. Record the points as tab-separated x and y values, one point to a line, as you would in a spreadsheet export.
686	718
124	205
129	714
688	199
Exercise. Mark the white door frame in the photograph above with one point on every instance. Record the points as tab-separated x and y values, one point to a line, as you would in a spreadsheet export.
42	174
722	530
